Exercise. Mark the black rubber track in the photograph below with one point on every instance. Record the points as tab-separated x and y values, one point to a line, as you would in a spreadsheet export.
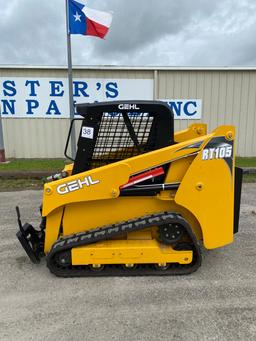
107	232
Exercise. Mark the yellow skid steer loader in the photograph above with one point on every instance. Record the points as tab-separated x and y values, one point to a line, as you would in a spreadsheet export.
138	199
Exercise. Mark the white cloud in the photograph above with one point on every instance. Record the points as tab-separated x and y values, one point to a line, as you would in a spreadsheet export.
144	32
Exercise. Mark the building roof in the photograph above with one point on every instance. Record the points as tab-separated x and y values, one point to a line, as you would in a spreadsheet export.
143	68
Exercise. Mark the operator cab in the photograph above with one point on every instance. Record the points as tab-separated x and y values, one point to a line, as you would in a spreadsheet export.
114	131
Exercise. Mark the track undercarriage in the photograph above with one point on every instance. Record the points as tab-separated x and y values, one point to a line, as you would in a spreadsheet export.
174	252
158	244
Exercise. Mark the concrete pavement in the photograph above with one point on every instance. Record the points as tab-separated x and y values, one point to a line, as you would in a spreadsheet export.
218	302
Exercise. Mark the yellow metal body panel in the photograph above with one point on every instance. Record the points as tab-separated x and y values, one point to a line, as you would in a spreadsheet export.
193	131
207	190
92	214
68	168
111	177
96	184
178	169
53	223
205	197
129	252
140	235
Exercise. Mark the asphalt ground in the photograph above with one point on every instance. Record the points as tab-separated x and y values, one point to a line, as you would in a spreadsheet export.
218	302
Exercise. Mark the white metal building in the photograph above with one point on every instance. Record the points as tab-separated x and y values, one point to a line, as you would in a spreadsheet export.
34	101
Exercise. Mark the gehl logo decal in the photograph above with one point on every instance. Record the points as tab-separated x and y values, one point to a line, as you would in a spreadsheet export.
221	152
76	185
128	107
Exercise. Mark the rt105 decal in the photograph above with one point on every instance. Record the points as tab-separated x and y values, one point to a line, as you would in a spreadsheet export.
221	152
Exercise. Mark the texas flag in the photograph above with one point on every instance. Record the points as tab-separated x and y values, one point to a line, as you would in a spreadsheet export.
87	21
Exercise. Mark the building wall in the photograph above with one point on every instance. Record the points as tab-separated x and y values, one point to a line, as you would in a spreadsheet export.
228	97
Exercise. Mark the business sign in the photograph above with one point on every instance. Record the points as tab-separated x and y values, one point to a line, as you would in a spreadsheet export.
185	109
22	97
48	98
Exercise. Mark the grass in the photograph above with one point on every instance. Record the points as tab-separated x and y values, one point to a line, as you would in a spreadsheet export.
7	185
58	164
33	165
246	161
250	178
23	165
53	165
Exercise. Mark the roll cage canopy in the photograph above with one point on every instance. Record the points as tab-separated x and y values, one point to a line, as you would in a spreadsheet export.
114	131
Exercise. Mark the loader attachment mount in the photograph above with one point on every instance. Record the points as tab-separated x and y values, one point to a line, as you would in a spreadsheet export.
31	239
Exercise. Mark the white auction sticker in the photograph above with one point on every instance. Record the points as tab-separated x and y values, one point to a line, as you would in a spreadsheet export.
87	132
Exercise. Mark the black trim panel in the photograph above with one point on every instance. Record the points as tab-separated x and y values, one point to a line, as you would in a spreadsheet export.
237	199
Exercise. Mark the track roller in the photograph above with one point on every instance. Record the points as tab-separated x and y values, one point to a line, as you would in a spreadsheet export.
162	266
96	267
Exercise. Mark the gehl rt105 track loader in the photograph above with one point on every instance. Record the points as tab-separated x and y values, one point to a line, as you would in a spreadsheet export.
138	198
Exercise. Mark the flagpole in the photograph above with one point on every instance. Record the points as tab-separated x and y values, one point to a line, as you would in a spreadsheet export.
70	84
2	153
